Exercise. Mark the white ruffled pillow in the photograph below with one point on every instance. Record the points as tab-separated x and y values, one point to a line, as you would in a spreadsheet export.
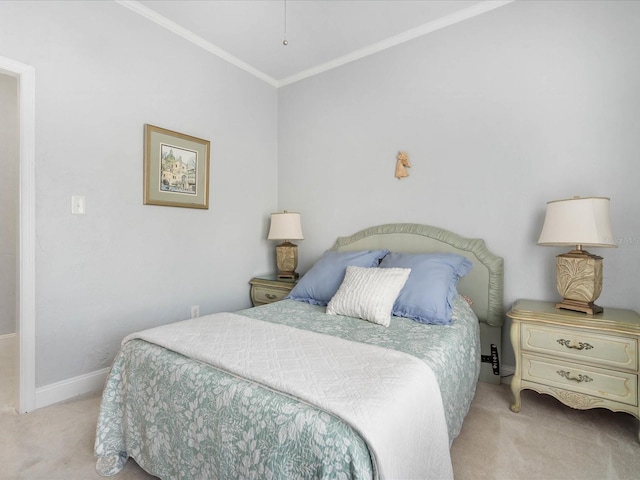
368	293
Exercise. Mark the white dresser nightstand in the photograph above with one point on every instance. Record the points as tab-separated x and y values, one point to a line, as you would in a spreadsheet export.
269	289
585	361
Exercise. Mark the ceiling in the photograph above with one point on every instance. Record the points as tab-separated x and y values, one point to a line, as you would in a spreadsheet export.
321	34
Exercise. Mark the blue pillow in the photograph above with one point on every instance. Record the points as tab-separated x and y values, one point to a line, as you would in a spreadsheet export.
322	281
428	294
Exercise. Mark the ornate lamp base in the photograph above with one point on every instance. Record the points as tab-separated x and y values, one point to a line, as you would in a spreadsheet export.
287	260
579	281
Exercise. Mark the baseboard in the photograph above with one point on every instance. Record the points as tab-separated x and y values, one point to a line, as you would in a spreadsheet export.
72	387
7	336
507	372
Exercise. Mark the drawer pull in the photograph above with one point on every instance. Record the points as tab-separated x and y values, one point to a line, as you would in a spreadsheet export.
580	346
271	296
579	378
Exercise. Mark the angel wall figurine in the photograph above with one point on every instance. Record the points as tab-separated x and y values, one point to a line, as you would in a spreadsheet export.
402	163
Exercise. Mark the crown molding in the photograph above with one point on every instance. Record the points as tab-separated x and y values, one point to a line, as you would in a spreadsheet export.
440	23
195	39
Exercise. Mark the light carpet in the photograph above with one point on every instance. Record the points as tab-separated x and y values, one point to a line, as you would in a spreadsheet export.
546	441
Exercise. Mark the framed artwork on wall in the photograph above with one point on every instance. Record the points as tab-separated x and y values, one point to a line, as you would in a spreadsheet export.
176	169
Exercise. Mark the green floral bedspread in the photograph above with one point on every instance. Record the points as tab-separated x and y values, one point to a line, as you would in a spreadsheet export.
452	352
182	419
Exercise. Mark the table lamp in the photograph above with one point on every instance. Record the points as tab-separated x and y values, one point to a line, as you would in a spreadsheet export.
579	221
286	226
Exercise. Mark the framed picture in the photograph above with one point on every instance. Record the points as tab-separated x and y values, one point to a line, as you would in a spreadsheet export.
176	169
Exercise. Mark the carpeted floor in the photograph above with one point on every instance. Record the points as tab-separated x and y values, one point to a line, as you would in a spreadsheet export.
546	441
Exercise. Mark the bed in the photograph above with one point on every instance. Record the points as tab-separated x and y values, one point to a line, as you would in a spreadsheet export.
300	389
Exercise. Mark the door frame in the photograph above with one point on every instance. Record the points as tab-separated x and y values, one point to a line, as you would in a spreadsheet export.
26	311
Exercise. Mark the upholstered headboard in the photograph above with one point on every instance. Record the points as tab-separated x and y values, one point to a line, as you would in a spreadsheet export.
484	284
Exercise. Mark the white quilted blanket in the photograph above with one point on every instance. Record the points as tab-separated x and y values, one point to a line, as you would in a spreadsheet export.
390	398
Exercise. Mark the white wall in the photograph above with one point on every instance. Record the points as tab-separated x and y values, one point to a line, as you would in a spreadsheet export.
102	72
532	102
9	145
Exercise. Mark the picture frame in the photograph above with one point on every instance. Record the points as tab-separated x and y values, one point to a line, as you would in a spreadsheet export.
176	169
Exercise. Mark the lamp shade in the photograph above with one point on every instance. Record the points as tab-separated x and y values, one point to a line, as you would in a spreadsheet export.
578	221
285	226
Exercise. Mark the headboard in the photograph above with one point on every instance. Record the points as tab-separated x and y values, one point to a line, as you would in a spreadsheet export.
484	284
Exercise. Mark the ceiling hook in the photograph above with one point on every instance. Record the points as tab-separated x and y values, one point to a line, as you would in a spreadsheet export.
285	42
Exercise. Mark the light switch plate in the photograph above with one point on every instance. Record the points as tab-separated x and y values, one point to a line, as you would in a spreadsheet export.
77	204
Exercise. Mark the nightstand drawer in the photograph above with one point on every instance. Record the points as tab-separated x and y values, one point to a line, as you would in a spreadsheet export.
581	345
268	295
269	289
608	384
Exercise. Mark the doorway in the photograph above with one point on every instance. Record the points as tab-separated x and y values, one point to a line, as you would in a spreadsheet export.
10	143
25	282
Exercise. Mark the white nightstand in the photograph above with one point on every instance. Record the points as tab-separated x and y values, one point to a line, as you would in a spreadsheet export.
585	361
269	289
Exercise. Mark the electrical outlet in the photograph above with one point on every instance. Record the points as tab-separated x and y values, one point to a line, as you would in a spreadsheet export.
195	311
